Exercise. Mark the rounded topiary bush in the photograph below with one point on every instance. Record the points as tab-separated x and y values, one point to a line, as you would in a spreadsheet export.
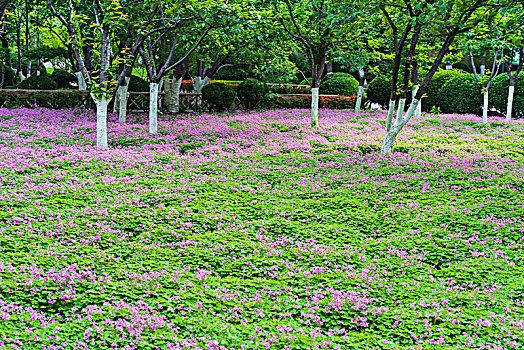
252	93
339	84
38	82
63	79
379	90
499	91
137	84
218	96
461	94
439	79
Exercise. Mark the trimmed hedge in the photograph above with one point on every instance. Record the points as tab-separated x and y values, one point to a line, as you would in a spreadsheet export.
38	82
304	101
218	96
137	84
498	95
63	79
252	94
379	90
45	99
436	83
461	94
339	84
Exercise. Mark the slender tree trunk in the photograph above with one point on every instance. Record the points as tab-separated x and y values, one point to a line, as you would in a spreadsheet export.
449	67
153	107
360	90
101	121
199	83
511	93
391	112
123	92
400	108
82	86
418	112
314	106
483	66
485	108
392	133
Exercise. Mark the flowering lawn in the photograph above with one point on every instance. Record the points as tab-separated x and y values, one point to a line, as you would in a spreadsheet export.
254	231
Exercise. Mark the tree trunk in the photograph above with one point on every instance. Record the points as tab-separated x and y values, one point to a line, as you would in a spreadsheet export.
82	86
123	92
485	108
391	135
483	66
400	109
199	83
172	96
391	111
449	67
101	121
418	112
314	106
359	98
153	108
511	93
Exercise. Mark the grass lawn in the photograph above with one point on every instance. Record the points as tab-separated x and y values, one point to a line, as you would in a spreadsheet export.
254	231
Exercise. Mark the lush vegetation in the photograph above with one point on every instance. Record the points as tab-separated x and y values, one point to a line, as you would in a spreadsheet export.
254	231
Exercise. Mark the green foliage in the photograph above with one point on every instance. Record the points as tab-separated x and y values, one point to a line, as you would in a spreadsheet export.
218	96
304	101
498	94
462	94
290	89
438	80
137	84
10	79
38	82
45	99
232	73
339	84
463	67
379	90
252	94
63	79
46	53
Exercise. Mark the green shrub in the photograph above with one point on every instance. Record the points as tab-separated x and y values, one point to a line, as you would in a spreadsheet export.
218	96
379	90
137	84
498	95
285	89
304	101
38	82
10	79
63	79
47	99
461	94
438	80
252	94
339	84
232	73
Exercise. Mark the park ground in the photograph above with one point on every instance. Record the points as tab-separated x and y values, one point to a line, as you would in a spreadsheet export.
255	231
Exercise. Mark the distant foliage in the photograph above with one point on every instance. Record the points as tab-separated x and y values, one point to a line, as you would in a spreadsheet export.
379	90
10	79
498	95
252	94
436	83
38	82
137	84
339	84
63	79
463	67
218	96
462	94
304	101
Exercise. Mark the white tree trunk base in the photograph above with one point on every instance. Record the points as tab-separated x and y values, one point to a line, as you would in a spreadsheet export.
101	121
509	110
314	106
153	108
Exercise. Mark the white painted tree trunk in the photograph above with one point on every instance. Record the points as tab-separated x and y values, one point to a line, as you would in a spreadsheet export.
199	83
116	103
153	108
391	112
400	109
21	76
482	69
449	66
82	86
101	121
391	135
314	106
509	110
418	112
359	99
123	96
172	96
485	108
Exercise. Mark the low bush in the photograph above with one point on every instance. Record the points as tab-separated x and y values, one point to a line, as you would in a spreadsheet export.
218	96
10	79
252	94
498	95
63	79
339	84
38	82
46	99
461	94
438	80
137	84
304	101
379	90
285	89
